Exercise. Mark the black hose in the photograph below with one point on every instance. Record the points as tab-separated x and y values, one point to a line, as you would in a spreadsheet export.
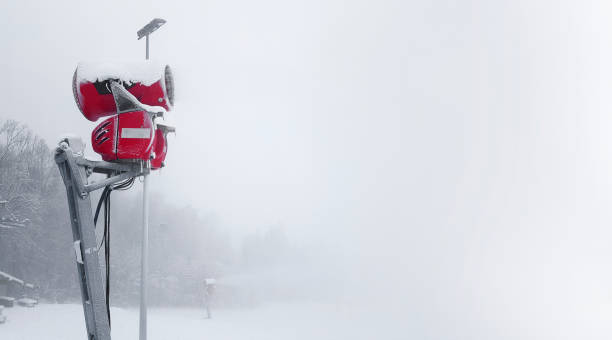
105	198
106	192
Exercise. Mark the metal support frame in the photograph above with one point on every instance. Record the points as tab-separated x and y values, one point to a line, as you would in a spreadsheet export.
74	170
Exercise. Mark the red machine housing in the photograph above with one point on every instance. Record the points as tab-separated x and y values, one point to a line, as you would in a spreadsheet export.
95	99
133	95
127	135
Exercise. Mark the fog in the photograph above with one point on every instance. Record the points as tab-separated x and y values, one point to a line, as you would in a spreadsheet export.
443	165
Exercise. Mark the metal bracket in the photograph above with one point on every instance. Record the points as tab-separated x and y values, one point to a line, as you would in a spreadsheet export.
74	170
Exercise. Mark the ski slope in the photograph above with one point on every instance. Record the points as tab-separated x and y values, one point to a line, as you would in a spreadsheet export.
268	322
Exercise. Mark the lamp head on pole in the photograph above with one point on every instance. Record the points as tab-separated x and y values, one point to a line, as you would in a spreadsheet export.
150	27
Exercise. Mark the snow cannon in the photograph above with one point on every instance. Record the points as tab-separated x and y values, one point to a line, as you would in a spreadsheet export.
151	84
130	134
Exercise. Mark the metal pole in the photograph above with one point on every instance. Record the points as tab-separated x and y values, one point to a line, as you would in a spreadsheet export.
145	31
144	258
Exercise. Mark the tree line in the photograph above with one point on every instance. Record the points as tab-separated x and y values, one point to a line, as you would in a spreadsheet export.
186	246
36	238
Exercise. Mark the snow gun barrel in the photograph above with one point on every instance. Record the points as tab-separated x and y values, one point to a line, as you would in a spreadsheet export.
151	84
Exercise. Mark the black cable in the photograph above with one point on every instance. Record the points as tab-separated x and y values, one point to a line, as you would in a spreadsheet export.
105	195
124	185
106	192
105	198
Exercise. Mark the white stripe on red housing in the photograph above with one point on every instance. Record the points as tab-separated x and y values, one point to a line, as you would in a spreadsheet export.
136	133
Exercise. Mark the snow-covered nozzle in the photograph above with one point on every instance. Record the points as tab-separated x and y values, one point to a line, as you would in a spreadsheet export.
150	83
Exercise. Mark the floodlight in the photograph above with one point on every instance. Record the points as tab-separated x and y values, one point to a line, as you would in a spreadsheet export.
150	27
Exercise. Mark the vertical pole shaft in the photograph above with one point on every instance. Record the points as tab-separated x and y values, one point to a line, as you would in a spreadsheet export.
144	264
144	258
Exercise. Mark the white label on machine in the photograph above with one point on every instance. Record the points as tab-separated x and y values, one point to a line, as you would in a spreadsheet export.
135	133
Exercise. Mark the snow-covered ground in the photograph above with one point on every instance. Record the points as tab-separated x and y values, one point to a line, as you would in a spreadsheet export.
270	322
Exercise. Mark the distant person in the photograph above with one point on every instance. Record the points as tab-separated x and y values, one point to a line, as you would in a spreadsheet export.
209	289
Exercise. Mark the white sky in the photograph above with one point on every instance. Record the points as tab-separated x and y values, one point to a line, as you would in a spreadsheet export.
462	144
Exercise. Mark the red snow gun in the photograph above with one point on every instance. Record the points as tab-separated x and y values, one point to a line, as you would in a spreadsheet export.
134	97
150	84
